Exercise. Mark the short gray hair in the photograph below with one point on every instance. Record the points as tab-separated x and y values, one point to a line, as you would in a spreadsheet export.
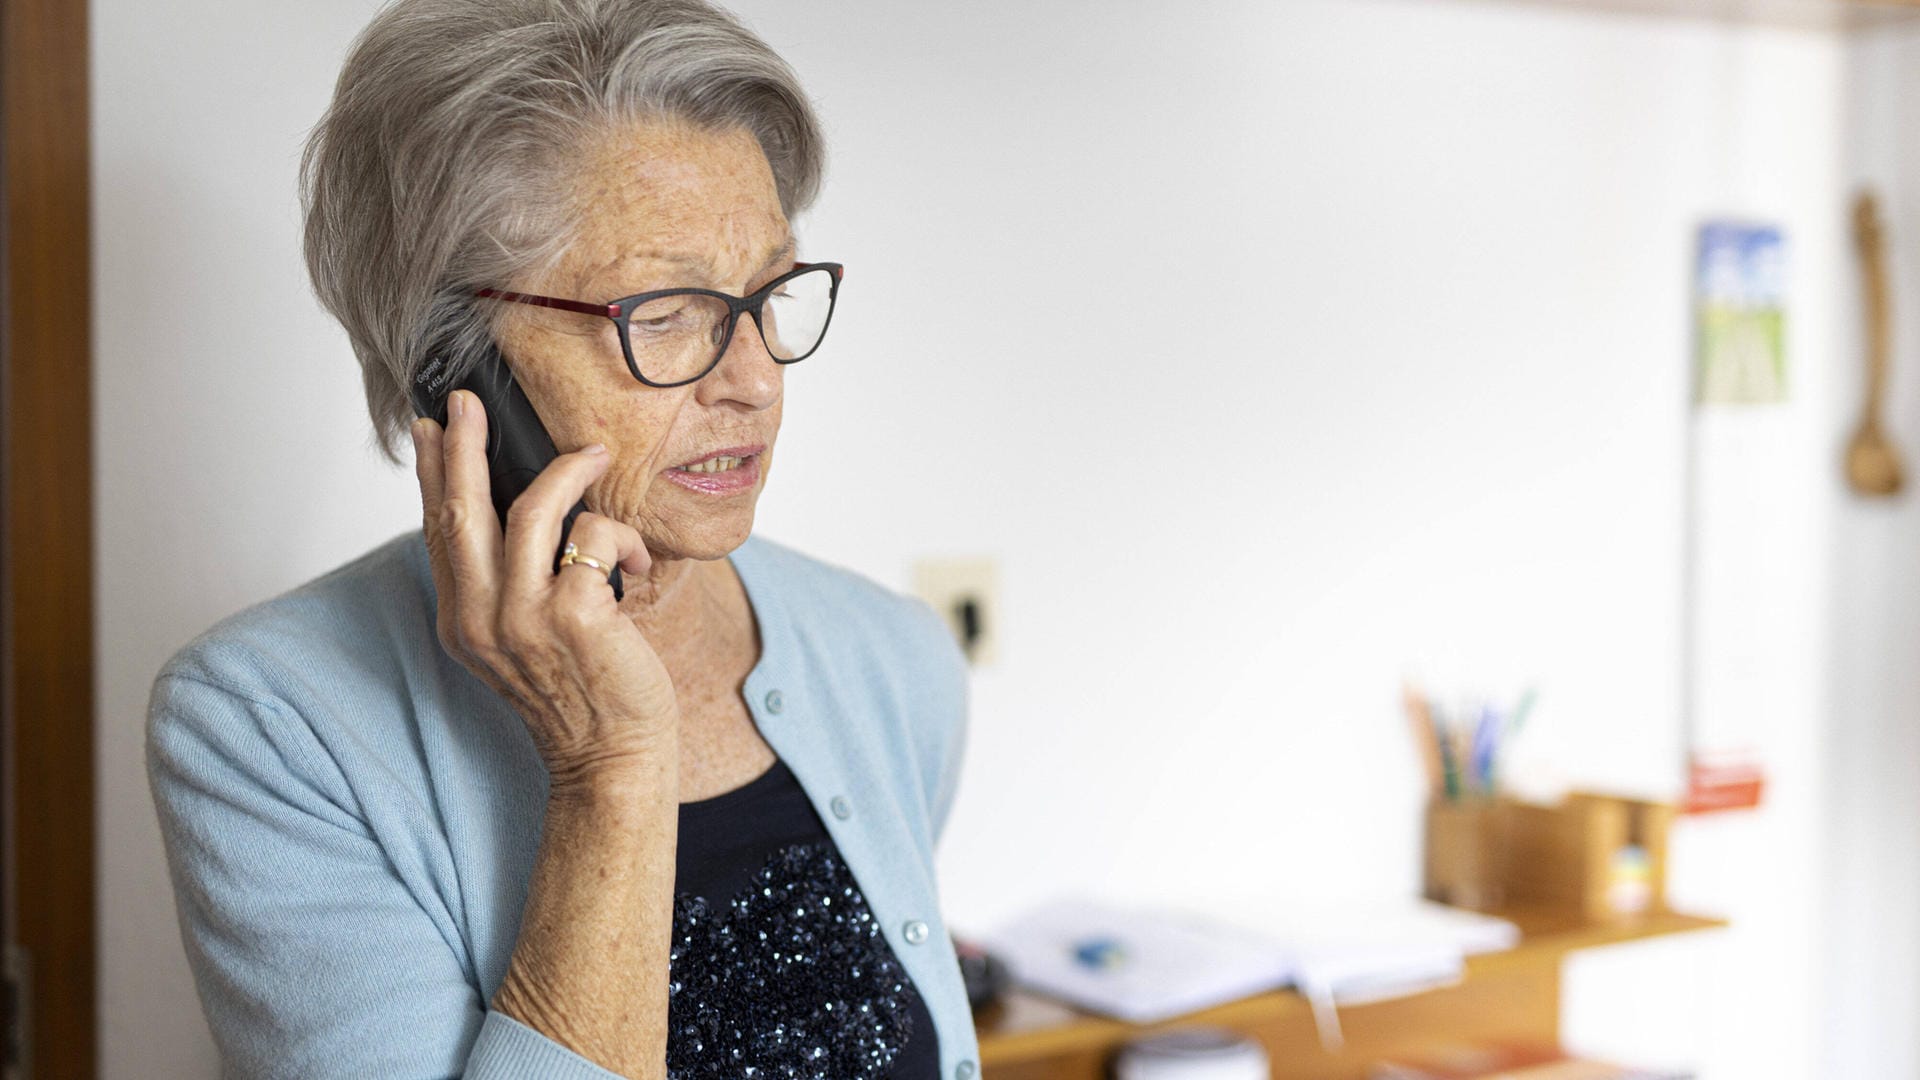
441	166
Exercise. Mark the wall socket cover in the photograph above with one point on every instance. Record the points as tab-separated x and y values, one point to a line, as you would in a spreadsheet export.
966	593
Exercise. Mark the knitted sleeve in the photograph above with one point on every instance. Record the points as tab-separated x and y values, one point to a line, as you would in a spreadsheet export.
311	956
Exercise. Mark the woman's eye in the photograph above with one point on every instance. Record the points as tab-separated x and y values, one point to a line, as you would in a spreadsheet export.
662	318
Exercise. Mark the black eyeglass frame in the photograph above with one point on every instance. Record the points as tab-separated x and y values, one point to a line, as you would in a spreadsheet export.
621	310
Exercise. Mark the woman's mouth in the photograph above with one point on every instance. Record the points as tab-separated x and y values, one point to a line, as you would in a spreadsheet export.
718	475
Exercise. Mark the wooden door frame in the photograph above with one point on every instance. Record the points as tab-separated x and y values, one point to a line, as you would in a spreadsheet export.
46	535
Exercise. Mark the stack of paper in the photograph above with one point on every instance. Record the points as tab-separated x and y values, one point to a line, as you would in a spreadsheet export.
1138	964
1149	964
1364	951
1354	953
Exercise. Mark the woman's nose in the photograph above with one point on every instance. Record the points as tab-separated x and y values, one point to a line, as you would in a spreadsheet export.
746	373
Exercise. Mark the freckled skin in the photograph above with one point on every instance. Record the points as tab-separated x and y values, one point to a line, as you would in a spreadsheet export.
665	188
660	188
591	966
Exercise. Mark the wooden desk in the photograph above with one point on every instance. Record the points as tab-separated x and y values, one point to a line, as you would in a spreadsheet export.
1511	994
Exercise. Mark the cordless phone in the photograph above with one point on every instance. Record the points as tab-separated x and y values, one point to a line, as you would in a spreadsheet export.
518	446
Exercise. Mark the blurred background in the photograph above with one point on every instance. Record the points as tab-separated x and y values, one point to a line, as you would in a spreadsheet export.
1272	353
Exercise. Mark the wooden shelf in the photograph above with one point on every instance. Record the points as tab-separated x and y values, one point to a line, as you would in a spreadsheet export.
1510	994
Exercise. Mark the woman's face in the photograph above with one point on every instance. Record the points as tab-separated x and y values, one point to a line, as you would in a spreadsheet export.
670	206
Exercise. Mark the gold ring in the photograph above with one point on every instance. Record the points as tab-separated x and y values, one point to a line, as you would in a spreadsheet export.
572	555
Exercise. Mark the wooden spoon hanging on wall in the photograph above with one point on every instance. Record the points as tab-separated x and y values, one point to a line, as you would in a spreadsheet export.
1873	465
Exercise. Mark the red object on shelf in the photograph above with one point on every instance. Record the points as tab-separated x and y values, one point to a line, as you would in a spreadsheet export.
1722	784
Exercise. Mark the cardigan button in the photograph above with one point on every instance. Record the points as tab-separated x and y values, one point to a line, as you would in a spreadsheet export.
915	931
963	1071
775	702
840	808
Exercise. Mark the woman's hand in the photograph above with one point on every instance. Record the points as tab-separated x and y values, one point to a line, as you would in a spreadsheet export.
592	691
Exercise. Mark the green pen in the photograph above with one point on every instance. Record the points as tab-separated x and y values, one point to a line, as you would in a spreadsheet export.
1513	726
1443	734
1520	712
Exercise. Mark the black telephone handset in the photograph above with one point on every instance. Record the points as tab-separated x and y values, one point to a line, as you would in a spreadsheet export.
518	445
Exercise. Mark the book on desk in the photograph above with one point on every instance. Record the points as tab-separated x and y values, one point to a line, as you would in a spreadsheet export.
1146	964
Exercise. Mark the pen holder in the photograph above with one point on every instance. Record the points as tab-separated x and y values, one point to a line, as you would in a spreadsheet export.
1467	851
1601	857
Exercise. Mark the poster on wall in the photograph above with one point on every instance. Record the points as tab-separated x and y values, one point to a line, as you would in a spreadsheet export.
1739	286
1738	607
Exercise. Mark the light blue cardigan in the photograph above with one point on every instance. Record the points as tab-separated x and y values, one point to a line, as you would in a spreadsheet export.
351	817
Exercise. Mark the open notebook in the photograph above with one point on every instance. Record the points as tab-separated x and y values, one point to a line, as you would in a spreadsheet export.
1146	964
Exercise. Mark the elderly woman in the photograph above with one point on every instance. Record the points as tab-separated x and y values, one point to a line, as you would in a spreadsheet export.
451	810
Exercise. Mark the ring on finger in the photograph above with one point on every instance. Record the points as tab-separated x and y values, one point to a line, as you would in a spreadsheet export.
572	555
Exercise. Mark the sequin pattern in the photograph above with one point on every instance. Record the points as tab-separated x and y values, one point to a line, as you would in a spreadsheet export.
793	979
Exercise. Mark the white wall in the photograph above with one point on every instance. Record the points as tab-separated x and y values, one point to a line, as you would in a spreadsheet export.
1871	857
229	435
1273	349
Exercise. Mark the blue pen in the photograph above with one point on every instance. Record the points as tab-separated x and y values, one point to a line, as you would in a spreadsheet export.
1485	740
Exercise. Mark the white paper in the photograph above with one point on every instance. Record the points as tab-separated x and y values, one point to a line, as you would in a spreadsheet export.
1174	962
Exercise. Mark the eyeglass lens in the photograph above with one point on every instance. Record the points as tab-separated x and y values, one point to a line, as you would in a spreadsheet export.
677	337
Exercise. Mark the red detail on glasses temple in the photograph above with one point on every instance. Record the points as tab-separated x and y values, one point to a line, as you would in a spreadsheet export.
611	311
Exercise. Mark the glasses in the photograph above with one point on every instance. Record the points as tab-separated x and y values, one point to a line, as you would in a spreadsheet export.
672	337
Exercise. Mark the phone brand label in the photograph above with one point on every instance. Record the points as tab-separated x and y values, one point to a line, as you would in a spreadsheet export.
432	377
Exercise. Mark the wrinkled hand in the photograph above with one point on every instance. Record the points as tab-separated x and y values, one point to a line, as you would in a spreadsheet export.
590	687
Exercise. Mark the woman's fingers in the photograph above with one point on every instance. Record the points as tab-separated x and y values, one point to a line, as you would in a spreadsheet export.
431	469
476	565
427	466
534	520
612	542
469	527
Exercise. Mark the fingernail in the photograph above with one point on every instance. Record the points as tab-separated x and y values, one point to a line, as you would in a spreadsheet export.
596	448
414	430
456	405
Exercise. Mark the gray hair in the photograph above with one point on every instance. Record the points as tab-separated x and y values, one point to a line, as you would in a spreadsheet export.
441	165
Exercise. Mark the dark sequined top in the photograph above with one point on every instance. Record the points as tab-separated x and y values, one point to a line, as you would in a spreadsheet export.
778	967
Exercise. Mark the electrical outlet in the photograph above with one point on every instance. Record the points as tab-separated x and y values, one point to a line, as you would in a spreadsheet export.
966	592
